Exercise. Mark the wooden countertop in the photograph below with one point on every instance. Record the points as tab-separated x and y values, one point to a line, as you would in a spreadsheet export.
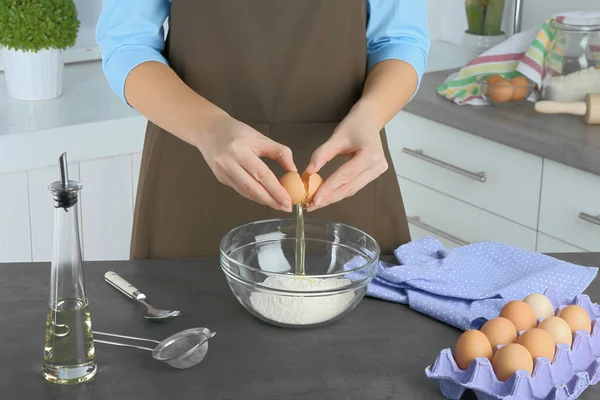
562	138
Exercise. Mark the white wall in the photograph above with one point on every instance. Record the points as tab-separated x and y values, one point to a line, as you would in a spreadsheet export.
537	11
434	19
453	20
88	13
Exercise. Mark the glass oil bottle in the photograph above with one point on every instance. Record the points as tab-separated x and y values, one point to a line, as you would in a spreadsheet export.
69	352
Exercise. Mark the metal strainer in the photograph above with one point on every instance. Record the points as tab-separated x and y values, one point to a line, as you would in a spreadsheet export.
181	350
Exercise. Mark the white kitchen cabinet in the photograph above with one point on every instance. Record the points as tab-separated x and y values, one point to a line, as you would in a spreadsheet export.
570	205
107	207
455	163
458	222
417	232
15	239
41	209
548	244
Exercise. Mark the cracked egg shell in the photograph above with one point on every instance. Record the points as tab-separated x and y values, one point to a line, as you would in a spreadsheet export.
301	188
312	182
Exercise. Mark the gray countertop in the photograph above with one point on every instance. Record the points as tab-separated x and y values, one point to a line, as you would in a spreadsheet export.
562	138
379	351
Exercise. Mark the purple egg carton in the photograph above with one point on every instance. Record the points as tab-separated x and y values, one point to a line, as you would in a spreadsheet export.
565	378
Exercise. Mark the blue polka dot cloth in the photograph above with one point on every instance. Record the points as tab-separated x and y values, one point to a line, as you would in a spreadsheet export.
466	286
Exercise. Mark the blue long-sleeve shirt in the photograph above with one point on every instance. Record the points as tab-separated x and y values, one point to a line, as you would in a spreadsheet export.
130	32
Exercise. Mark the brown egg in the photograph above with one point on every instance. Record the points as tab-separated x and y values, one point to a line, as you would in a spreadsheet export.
538	343
292	182
500	92
558	329
499	331
576	317
509	359
520	314
311	182
470	345
494	79
300	188
520	88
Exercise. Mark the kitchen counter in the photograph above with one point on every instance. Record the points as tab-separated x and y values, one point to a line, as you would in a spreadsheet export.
379	351
88	121
561	138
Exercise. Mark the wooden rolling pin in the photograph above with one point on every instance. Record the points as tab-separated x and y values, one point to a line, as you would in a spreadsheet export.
589	109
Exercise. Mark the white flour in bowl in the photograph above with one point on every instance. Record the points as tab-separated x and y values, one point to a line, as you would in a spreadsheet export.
572	87
299	310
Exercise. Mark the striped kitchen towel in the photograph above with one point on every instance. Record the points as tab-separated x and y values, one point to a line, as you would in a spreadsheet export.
525	54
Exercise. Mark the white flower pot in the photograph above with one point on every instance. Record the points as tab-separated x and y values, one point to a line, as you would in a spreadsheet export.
33	76
475	45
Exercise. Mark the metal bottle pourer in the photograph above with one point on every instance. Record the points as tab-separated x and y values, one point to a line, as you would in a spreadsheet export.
64	191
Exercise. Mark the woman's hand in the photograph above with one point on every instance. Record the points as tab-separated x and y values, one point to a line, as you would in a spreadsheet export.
233	149
356	137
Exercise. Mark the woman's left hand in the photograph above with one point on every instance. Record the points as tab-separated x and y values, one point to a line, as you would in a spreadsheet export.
356	137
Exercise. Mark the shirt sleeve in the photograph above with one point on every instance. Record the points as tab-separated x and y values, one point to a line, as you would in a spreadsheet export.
130	32
397	29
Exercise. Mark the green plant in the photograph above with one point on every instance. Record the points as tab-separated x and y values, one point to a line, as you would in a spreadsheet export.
33	25
484	17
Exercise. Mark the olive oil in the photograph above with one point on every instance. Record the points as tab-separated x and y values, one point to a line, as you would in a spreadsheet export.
69	353
300	243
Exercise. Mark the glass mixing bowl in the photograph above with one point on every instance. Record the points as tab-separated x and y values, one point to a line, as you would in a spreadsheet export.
258	260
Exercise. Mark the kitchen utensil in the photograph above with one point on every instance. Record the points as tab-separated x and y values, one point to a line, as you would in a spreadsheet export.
181	350
133	293
589	109
330	287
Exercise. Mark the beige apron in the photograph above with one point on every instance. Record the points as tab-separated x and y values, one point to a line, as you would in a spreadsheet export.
290	69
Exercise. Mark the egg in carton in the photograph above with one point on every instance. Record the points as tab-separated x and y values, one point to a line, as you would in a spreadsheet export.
572	370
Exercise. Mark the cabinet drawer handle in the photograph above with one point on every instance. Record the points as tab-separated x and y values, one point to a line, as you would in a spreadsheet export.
478	176
416	221
590	218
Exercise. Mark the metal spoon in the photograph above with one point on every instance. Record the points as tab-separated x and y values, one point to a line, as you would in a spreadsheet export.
133	293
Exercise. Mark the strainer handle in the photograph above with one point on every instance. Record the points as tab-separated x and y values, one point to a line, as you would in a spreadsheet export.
123	345
125	337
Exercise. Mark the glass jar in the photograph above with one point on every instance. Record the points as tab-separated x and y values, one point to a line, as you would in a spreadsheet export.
572	60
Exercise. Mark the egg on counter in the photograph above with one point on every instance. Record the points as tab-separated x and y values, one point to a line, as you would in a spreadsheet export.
520	88
500	91
469	346
300	188
542	306
494	79
577	318
520	314
538	343
499	330
509	359
558	329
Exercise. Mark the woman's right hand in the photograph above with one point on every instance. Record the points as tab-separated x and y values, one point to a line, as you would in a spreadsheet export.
233	149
